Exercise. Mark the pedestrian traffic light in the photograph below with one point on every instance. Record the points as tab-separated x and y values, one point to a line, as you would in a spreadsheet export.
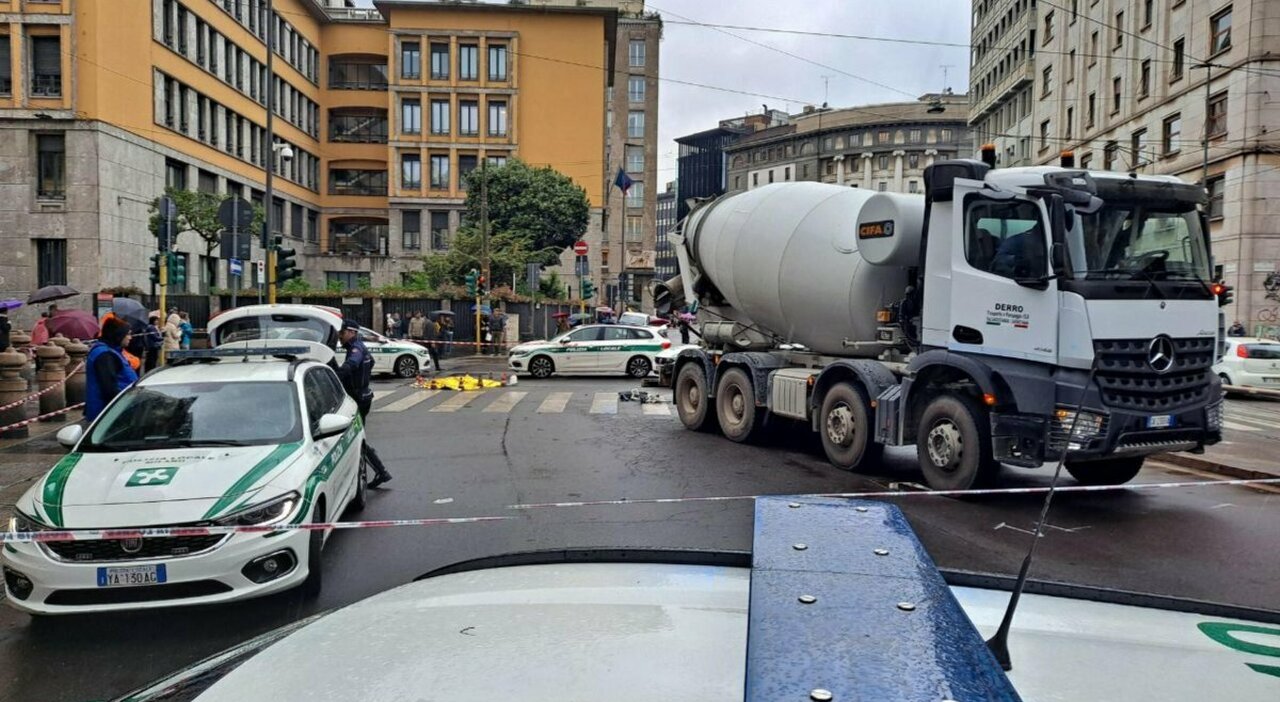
588	289
1225	293
286	265
473	281
177	271
155	268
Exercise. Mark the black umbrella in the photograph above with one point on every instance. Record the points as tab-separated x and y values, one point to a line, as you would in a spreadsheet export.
49	293
131	311
436	314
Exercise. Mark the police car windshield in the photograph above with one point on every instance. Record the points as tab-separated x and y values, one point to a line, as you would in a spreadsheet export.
199	414
275	326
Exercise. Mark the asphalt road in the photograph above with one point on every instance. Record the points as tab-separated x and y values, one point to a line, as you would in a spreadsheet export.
1212	543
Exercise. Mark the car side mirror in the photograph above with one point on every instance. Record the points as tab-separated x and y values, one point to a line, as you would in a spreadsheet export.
70	435
332	424
564	340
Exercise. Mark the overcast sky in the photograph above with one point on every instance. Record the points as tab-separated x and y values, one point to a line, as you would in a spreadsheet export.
712	57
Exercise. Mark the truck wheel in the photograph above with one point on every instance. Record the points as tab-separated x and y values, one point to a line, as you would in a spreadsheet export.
953	446
736	406
1113	471
692	404
844	424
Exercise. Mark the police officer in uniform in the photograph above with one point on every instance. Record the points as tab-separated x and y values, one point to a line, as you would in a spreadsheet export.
354	373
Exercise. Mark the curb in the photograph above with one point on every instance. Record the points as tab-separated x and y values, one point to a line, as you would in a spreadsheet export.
1211	466
1249	391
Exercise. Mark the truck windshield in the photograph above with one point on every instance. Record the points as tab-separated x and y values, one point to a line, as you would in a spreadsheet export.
1135	241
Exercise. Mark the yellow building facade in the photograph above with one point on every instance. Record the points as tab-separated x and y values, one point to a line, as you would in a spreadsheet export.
104	103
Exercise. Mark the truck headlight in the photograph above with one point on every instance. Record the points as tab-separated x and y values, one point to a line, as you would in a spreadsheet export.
1079	427
262	514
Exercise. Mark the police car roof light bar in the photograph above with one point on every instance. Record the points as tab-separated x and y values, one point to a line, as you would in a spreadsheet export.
197	355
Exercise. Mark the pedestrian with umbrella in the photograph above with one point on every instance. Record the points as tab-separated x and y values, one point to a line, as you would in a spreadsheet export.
153	341
5	328
49	293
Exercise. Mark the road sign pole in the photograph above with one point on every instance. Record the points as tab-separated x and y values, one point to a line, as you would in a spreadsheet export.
235	279
164	285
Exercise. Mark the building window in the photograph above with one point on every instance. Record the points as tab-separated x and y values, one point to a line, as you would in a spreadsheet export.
881	138
1115	95
1048	27
175	174
1119	29
1046	81
439	116
1044	135
410	171
295	221
496	161
636	53
914	136
350	181
1218	115
46	66
635	125
635	228
439	61
1144	85
1217	186
1179	58
51	262
440	172
755	178
911	186
770	175
466	164
1093	48
411	116
882	186
349	280
1071	119
1138	147
944	135
498	62
360	125
1090	110
439	230
349	73
410	60
635	196
206	182
1172	134
882	162
497	118
6	66
786	173
737	182
913	160
635	89
51	166
468	117
1220	32
1085	161
635	159
468	62
1109	155
313	226
411	230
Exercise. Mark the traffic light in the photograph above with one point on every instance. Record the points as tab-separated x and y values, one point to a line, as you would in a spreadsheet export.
286	265
482	285
1224	292
177	271
473	283
168	224
588	289
155	268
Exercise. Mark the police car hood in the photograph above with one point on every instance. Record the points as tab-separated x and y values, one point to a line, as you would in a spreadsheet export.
148	488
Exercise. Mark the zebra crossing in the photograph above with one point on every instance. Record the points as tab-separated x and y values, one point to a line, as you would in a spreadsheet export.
1251	417
510	400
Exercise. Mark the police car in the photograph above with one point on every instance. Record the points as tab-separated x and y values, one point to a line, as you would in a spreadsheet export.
222	438
595	349
316	324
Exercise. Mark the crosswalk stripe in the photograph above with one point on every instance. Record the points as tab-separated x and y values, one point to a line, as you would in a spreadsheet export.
555	403
379	394
656	409
405	403
604	403
1256	415
457	402
505	402
1236	427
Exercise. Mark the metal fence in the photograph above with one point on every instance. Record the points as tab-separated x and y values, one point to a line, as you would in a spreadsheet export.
196	306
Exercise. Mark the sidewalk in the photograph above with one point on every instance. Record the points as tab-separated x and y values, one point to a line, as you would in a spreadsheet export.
1231	459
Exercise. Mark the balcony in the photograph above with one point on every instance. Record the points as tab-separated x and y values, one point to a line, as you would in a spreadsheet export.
1015	79
359	237
354	14
358	127
47	85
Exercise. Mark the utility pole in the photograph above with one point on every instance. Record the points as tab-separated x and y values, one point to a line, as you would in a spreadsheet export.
482	294
269	197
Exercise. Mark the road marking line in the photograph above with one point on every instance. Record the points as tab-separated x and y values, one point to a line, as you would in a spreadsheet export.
505	402
379	394
656	409
457	402
405	403
605	403
1236	427
1253	420
555	403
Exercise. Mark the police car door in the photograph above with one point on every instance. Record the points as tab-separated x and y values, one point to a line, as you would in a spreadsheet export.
576	350
323	395
375	342
614	349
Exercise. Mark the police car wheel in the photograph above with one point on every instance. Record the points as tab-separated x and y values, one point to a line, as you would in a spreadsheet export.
541	367
639	367
406	367
315	571
362	485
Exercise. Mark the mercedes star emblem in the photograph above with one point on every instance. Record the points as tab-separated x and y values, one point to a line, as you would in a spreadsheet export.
1160	354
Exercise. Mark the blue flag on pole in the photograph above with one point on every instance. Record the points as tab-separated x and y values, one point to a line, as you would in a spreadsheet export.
623	181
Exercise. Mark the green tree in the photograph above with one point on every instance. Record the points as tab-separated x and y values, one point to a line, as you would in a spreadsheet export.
551	286
198	212
508	253
540	205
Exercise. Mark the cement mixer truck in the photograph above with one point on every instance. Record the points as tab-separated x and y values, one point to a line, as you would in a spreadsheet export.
1001	317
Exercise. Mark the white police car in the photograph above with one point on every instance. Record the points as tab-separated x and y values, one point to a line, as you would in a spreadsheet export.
228	439
594	349
315	324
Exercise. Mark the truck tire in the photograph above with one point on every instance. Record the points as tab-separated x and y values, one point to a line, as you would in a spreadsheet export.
692	404
1112	471
844	425
953	444
736	410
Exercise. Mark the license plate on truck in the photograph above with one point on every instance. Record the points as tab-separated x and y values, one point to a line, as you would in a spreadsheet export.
1160	421
131	576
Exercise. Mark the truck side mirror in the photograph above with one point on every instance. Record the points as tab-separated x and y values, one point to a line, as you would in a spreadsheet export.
1058	257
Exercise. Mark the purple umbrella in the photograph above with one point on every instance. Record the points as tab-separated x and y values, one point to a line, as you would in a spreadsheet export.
73	324
7	305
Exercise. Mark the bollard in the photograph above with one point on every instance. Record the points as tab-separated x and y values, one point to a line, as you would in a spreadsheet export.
60	341
22	344
76	353
53	361
13	387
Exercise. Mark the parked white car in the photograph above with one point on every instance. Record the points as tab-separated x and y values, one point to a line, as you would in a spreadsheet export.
1250	362
231	439
595	349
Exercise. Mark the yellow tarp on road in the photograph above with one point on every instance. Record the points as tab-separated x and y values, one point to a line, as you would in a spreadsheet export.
457	382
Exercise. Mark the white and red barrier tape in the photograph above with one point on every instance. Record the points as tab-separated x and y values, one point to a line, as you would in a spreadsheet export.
46	391
33	420
157	532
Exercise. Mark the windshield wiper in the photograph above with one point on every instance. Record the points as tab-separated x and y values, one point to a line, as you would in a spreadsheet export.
208	442
1134	272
